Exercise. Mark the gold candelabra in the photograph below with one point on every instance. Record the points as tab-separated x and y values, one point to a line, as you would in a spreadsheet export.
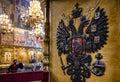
5	23
34	14
37	30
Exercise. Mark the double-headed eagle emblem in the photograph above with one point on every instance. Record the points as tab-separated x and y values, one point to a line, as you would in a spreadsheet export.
77	44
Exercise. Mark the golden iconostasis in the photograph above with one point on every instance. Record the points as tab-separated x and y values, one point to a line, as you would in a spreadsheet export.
21	44
25	55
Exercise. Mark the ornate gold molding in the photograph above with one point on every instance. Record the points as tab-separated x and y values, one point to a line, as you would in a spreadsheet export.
47	30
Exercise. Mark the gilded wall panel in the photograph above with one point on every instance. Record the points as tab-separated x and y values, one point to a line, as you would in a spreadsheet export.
110	51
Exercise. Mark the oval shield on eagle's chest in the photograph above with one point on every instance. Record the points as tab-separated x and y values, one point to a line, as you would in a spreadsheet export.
77	45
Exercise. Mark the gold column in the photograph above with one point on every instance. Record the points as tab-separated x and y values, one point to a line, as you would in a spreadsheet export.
47	37
47	30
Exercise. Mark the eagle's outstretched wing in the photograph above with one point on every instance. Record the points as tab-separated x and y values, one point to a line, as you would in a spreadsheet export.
97	31
62	38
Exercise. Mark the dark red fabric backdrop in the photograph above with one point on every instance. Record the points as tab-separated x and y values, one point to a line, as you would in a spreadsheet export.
25	77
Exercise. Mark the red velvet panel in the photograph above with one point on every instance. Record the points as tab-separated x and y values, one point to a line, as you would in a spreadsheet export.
25	77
